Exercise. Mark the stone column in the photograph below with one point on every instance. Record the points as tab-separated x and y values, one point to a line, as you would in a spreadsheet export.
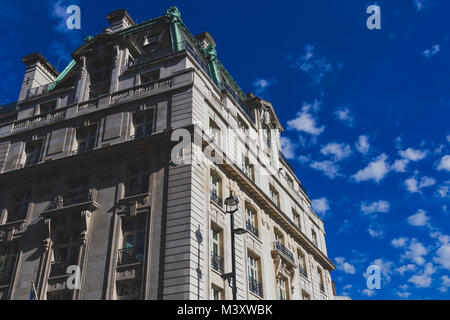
81	85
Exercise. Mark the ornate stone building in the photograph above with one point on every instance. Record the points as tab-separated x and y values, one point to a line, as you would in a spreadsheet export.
88	179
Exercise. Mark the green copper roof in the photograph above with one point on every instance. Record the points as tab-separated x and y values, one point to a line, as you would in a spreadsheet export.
61	75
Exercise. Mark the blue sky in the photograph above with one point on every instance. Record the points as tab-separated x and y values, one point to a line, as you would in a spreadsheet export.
366	114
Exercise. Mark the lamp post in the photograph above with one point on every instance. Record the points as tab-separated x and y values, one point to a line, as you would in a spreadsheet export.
231	204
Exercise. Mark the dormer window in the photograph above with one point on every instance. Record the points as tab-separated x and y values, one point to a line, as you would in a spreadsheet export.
149	40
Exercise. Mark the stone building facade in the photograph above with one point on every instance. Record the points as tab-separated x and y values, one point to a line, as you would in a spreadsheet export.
93	176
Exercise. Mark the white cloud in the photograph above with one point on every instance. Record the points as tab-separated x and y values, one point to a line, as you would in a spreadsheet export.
424	279
260	85
403	295
345	115
428	53
306	122
320	206
368	292
400	165
327	167
288	147
444	190
415	252
376	170
405	268
344	266
445	284
385	268
420	5
413	154
444	163
314	66
443	256
399	242
376	231
363	144
414	186
419	219
381	206
339	151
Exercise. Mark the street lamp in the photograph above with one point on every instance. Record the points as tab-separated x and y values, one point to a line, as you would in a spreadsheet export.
231	204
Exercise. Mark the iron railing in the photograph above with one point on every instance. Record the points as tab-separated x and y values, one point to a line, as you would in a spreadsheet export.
216	199
255	286
216	262
251	228
285	251
70	199
130	255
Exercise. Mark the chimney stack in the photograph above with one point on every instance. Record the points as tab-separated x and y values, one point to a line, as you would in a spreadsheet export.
205	39
120	20
39	72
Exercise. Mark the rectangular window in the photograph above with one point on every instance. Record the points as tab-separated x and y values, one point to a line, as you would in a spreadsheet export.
214	132
143	124
296	218
47	107
78	192
8	257
215	189
138	180
274	195
150	76
314	237
302	264
248	168
65	251
282	291
216	249
251	220
133	243
86	138
60	295
216	293
20	208
33	151
128	290
255	286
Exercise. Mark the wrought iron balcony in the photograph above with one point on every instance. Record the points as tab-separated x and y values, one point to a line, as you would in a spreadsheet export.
59	268
255	287
216	262
130	255
285	251
251	228
62	201
303	272
216	199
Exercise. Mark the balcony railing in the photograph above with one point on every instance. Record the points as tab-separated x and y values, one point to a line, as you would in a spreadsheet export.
216	199
130	255
255	287
303	271
285	251
59	268
216	262
50	116
62	201
251	228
